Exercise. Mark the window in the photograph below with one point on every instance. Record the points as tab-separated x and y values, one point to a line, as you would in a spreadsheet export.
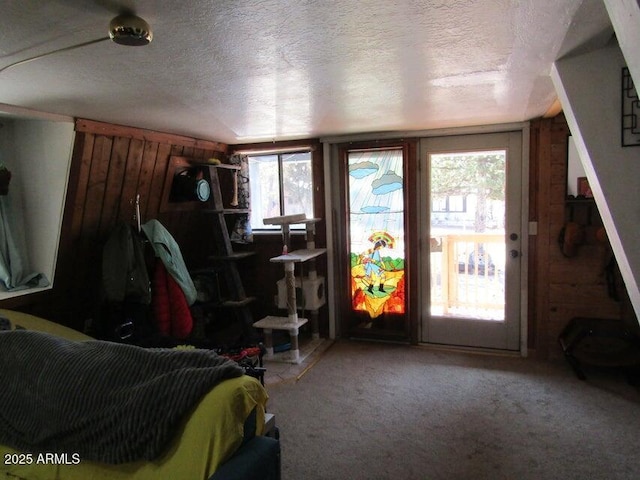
452	203
281	184
376	236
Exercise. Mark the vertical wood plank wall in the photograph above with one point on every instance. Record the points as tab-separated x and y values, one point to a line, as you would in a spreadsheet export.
560	288
110	166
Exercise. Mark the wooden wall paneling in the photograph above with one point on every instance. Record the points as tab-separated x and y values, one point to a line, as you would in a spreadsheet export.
89	259
159	185
96	186
578	294
533	245
321	228
143	185
110	165
543	237
108	129
180	225
532	306
412	240
77	194
564	287
318	196
186	229
131	179
157	179
88	250
187	152
534	178
200	154
558	178
579	272
117	167
79	246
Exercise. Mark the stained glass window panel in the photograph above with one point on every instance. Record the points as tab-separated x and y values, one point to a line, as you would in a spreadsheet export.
376	228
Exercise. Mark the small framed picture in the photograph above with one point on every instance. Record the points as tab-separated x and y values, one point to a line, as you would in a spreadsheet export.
584	189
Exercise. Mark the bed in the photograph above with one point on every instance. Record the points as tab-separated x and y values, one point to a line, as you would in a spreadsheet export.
221	437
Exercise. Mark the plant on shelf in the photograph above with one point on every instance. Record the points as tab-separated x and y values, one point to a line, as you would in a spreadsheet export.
5	178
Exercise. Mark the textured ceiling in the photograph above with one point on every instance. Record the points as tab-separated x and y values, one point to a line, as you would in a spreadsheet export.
240	71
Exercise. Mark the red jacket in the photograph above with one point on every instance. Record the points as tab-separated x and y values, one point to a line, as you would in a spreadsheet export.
171	311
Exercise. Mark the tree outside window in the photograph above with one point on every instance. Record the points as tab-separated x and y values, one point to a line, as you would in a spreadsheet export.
281	184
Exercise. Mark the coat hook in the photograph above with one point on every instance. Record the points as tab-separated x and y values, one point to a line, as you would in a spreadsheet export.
136	215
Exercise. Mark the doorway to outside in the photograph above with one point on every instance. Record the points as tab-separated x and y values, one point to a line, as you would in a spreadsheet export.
471	225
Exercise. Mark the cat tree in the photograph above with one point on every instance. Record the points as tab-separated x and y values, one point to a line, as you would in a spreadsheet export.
310	288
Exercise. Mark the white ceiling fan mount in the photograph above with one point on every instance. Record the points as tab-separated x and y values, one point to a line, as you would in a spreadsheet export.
131	30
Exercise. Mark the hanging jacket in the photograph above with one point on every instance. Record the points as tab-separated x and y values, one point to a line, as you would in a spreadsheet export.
167	249
124	272
171	314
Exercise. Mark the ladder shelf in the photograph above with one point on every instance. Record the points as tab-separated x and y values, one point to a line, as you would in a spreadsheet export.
226	258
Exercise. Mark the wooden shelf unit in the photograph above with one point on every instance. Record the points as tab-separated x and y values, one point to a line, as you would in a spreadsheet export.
226	259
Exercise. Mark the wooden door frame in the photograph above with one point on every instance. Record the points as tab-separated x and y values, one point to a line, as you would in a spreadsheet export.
343	291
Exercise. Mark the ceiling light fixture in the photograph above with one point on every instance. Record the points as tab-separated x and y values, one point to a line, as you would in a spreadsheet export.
130	30
126	29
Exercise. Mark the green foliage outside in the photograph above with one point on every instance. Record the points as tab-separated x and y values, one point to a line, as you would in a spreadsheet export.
482	175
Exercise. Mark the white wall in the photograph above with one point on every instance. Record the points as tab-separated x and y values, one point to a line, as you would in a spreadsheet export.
38	152
625	18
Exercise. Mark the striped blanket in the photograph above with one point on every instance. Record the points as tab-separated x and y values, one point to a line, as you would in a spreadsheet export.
107	402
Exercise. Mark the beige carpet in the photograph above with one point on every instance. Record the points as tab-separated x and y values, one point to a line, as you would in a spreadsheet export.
379	411
278	372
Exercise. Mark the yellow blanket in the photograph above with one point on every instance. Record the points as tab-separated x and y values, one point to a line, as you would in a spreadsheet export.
209	436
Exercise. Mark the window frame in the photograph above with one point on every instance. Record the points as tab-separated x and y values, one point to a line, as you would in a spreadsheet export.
280	154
